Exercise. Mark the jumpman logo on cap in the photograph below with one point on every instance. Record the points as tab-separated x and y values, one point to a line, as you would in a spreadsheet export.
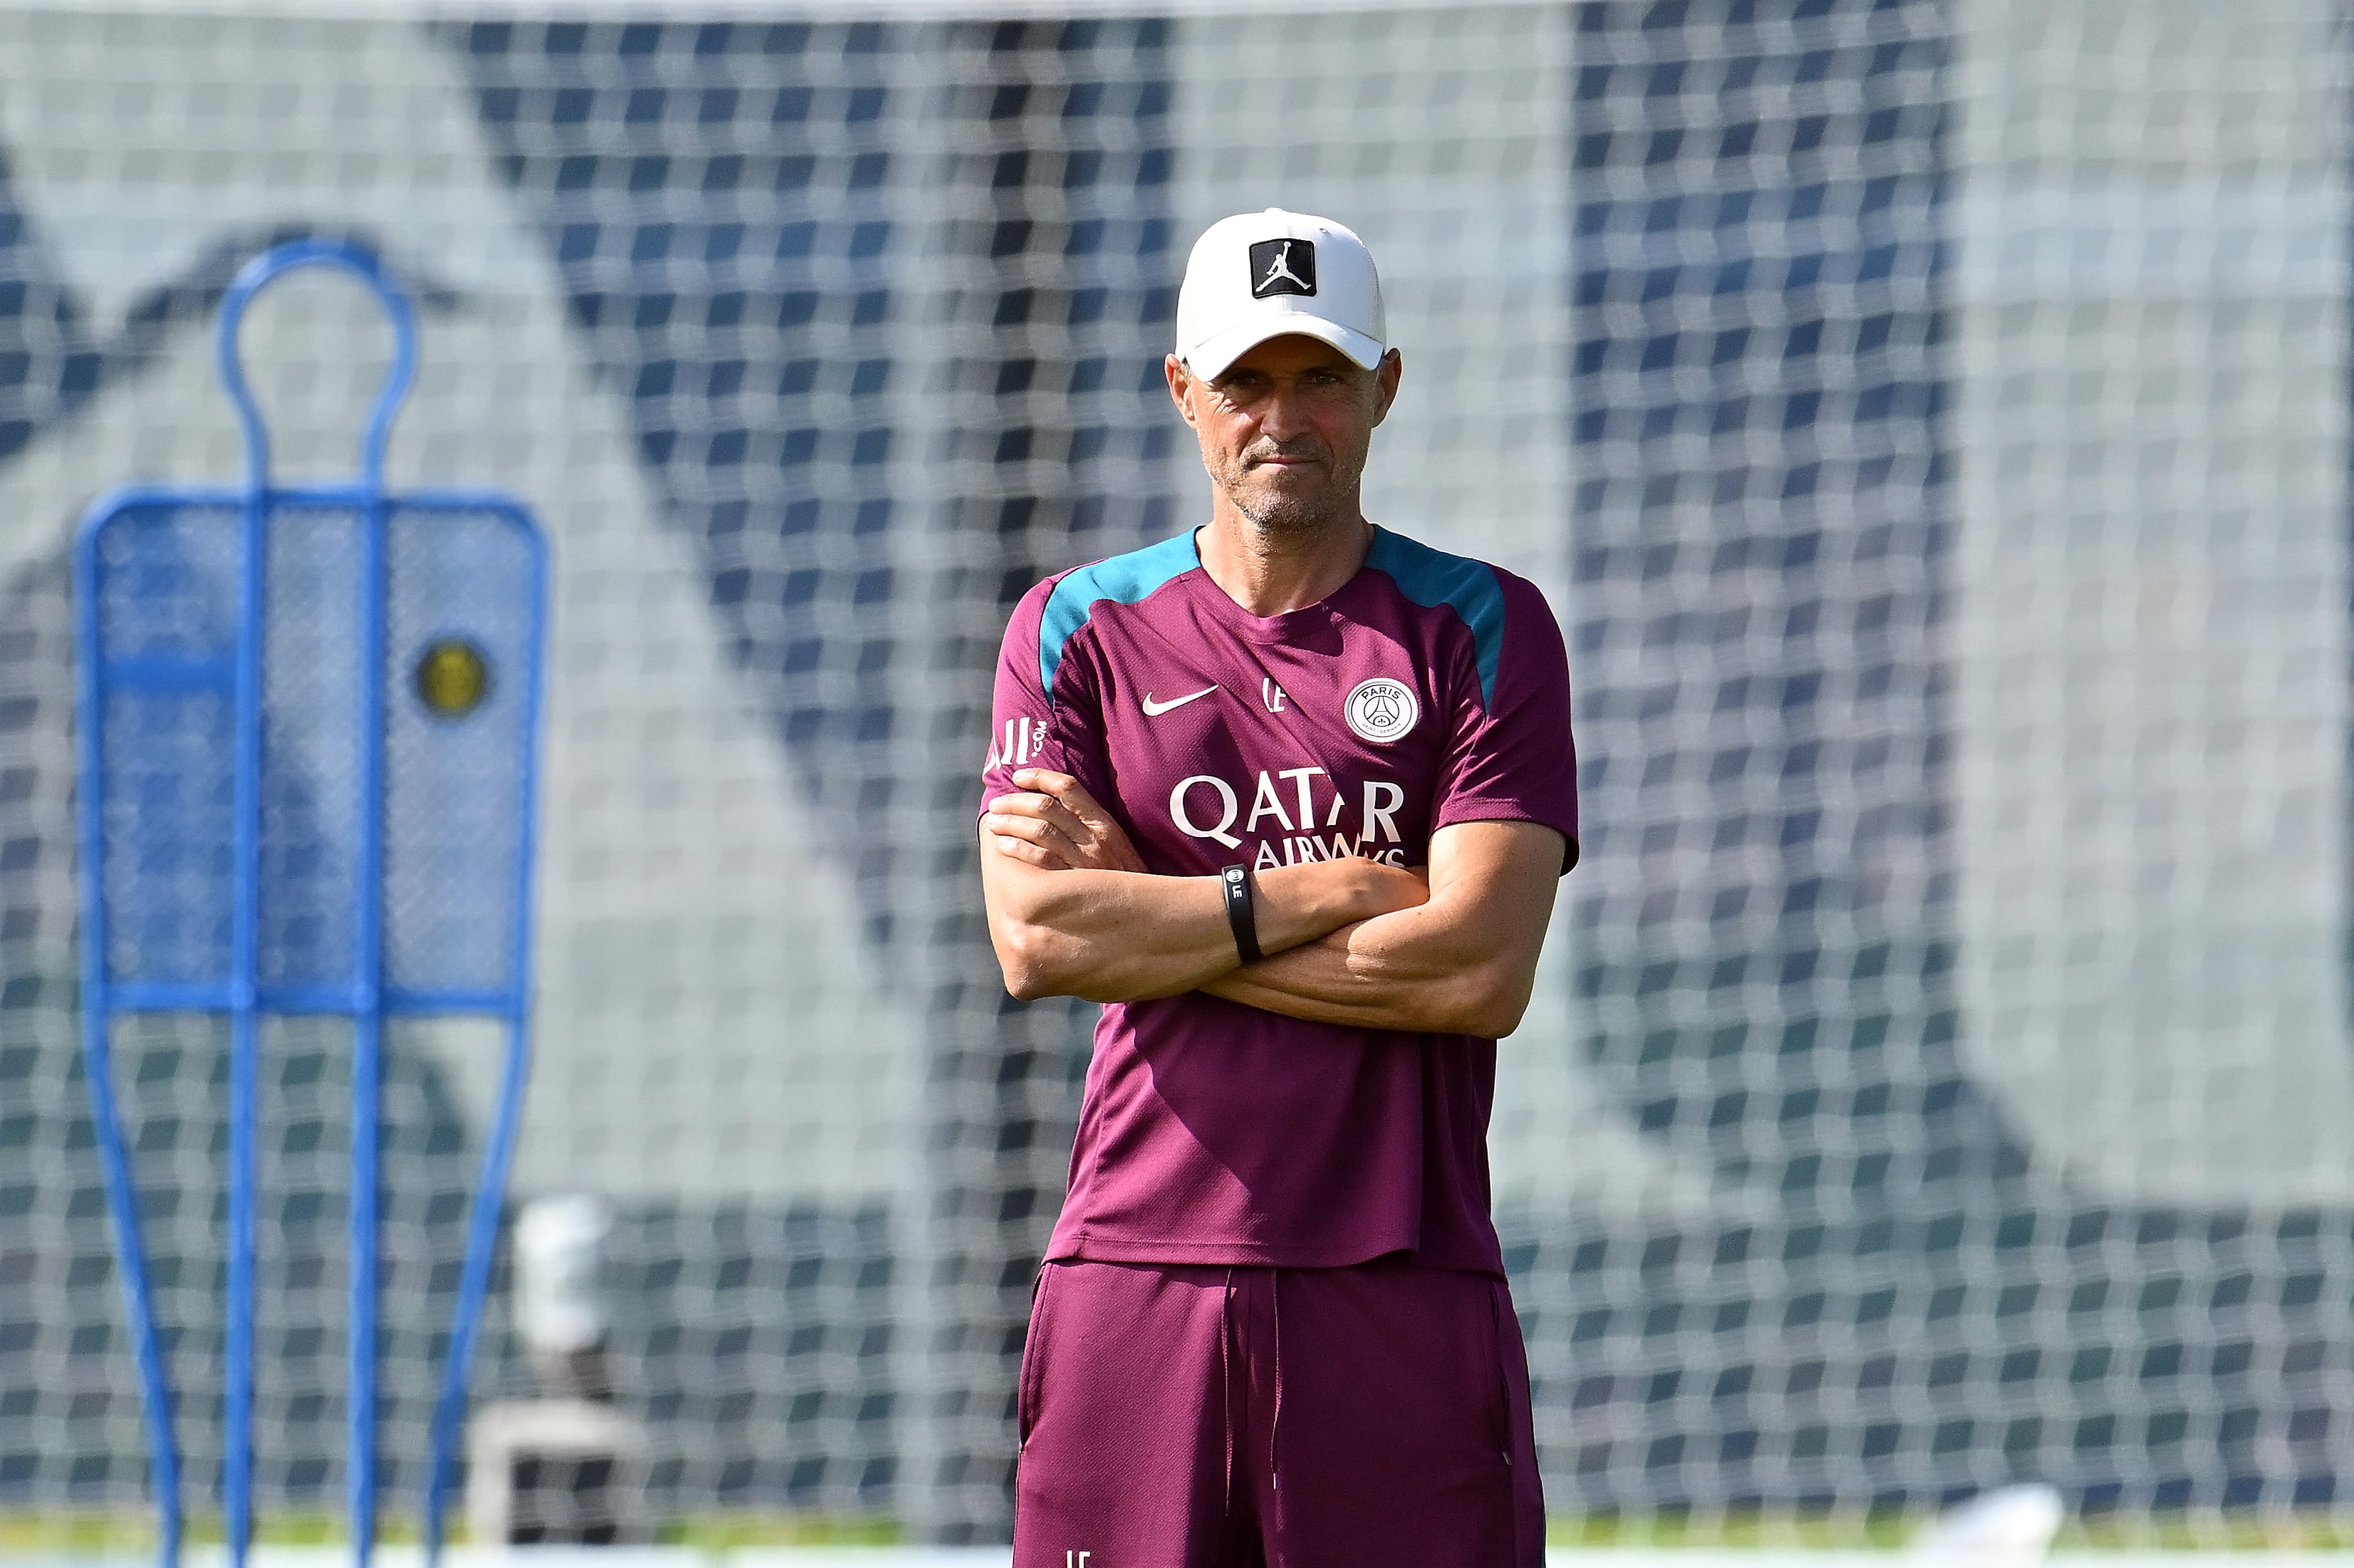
1282	266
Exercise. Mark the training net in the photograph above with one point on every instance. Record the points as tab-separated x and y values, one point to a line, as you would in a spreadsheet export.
1927	420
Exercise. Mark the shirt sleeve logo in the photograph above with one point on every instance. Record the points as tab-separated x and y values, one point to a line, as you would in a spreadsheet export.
1381	709
1021	740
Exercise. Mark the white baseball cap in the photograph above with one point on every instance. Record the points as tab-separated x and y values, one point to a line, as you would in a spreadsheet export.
1259	275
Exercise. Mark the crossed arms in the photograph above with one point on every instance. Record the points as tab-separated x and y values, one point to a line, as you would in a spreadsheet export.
1453	950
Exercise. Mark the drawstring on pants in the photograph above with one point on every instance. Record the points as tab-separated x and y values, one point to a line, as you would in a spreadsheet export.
1231	1330
1275	1424
1226	1384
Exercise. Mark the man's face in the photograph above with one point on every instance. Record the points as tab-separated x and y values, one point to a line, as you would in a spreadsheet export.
1284	428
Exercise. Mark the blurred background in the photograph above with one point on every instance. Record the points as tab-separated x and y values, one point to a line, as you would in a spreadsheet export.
1928	418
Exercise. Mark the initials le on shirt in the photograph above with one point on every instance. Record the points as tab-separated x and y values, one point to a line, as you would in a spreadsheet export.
1428	690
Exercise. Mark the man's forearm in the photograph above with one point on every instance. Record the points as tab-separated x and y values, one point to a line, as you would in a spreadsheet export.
1413	970
1452	949
1117	936
1463	962
1114	936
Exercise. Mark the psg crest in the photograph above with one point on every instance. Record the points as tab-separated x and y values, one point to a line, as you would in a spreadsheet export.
1382	709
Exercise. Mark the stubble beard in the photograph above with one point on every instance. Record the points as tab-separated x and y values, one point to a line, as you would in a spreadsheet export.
1284	519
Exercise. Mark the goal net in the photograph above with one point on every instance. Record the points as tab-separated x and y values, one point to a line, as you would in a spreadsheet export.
1928	420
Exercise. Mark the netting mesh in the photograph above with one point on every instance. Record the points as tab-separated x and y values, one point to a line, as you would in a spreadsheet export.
1927	419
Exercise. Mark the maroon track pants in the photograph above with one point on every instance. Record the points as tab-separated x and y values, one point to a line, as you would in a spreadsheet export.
1203	1416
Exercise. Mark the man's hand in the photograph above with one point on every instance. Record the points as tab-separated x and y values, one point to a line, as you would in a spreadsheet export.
1055	825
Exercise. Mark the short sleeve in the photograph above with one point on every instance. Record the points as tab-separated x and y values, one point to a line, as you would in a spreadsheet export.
1511	757
1027	727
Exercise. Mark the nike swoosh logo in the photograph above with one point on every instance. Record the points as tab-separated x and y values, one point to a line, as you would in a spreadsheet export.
1154	710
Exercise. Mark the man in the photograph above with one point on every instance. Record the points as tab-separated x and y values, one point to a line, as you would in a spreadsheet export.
1289	795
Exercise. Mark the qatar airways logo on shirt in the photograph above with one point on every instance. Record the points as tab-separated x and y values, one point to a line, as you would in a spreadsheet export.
1296	818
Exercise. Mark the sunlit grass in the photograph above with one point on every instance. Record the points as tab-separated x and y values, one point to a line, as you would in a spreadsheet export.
108	1533
728	1531
1824	1531
1885	1530
101	1533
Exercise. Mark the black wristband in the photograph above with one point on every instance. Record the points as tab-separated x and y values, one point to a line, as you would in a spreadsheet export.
1240	915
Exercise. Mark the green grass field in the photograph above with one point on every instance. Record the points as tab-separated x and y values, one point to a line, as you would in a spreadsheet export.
115	1535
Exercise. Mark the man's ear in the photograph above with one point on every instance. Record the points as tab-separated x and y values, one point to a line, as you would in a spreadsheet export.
1181	387
1385	383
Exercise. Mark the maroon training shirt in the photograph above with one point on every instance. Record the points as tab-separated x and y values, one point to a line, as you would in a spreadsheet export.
1429	690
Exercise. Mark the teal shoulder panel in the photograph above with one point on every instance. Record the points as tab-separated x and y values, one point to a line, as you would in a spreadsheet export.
1123	580
1432	577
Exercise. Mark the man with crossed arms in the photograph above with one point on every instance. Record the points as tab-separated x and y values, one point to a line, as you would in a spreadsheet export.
1290	794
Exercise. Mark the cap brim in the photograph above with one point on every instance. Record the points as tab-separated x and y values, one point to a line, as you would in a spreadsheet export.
1211	358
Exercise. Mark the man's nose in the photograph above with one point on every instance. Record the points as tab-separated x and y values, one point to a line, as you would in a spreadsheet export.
1284	414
